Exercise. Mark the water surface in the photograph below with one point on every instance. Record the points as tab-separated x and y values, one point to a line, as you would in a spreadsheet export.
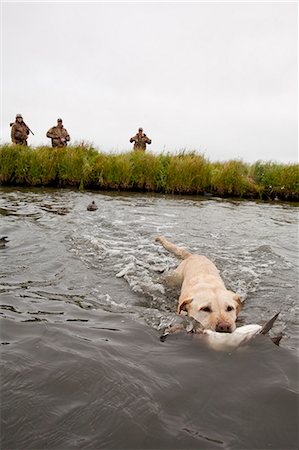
84	300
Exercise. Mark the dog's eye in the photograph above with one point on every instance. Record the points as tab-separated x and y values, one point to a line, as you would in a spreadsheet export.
206	309
229	308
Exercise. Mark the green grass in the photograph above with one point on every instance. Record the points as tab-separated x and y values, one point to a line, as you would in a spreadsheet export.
182	173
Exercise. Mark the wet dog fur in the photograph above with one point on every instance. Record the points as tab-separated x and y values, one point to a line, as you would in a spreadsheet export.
203	293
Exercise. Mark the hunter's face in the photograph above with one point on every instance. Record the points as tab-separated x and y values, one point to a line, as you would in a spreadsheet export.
59	124
19	119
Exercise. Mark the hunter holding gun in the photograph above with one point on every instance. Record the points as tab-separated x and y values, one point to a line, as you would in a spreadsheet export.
59	135
140	140
19	131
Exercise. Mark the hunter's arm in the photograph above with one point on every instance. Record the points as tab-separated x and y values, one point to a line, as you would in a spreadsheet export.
13	134
51	134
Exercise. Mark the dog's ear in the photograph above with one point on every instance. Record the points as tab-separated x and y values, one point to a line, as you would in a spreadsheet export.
183	305
238	301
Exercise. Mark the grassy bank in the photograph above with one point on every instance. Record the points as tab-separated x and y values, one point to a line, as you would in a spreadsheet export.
184	173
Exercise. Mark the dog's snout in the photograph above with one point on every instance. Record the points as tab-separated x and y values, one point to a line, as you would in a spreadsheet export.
223	327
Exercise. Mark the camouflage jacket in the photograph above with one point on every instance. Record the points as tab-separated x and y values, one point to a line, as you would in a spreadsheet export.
19	133
56	134
140	141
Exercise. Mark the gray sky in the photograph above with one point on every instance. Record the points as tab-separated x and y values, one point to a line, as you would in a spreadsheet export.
220	78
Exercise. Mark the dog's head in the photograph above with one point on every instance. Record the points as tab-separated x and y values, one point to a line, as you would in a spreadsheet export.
216	310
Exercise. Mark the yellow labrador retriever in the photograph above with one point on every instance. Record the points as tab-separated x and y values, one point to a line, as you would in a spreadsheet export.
203	293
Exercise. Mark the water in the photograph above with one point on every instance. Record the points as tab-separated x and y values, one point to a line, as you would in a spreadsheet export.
84	300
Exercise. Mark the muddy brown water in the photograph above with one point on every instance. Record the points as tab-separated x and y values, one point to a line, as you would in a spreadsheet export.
83	303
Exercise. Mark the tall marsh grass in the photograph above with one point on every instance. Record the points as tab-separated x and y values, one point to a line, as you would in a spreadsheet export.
183	173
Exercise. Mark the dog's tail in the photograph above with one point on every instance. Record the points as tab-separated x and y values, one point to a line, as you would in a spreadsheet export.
179	252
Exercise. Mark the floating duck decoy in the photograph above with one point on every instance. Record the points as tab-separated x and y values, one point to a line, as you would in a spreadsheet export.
3	241
223	341
92	206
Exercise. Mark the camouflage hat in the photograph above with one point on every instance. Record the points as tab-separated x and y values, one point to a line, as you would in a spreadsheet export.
140	129
59	120
19	116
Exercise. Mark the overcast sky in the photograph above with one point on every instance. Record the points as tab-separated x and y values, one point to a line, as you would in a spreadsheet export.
219	78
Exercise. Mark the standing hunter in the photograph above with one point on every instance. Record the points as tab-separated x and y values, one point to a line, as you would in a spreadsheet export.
59	135
140	140
19	131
